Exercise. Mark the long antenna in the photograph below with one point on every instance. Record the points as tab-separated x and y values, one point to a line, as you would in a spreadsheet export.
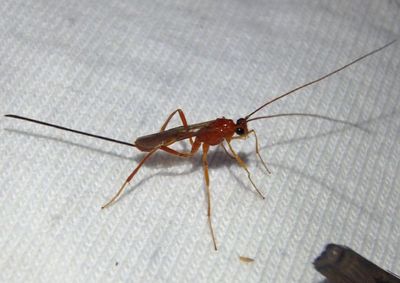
320	79
69	130
308	115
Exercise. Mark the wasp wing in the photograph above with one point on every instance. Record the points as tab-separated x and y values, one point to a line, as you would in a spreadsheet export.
167	137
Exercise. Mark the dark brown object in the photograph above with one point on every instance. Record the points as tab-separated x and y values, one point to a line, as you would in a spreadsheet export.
340	264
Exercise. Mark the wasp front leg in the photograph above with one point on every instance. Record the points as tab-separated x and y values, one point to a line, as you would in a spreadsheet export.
244	166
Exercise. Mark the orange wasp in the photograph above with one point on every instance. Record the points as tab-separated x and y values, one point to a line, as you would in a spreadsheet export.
206	134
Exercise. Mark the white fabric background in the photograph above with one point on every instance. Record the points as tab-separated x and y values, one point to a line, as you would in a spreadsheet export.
118	68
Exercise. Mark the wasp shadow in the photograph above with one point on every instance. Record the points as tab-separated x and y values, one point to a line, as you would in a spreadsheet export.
361	126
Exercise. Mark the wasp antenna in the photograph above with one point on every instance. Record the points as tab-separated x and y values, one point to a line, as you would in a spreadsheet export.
69	130
321	78
318	116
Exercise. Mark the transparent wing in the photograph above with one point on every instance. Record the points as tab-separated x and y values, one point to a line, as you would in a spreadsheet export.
170	136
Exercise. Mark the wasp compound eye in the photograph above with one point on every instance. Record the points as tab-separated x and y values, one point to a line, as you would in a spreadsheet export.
240	131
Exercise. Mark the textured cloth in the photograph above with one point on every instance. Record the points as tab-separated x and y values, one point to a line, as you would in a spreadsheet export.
118	68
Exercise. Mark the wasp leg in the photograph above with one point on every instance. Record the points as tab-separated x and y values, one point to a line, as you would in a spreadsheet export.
244	166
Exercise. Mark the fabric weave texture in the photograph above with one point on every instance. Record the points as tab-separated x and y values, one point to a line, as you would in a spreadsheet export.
118	68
